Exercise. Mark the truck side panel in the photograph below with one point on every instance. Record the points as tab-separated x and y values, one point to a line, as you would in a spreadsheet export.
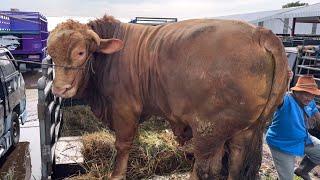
26	34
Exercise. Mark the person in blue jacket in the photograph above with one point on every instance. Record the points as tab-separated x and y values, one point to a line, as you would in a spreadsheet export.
288	135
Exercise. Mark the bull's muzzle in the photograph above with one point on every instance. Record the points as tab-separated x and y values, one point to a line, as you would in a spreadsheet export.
60	91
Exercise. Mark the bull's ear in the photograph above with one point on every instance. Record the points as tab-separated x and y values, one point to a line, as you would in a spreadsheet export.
109	46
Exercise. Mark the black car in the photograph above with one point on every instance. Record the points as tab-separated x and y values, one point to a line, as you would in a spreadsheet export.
12	101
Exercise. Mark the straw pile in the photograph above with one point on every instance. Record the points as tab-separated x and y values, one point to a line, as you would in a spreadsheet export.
79	120
154	152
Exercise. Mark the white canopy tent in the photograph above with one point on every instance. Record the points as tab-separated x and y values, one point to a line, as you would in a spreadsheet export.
296	20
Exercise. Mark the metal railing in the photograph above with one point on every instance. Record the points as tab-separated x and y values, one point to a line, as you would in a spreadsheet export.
153	20
50	119
308	63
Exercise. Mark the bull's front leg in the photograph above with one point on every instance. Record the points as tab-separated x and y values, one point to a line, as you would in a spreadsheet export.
125	127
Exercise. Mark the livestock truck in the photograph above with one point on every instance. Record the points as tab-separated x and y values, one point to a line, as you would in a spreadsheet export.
25	35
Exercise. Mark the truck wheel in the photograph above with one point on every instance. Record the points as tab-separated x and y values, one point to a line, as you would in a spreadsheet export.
15	133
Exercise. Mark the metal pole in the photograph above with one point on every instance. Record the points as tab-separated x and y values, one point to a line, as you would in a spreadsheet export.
293	26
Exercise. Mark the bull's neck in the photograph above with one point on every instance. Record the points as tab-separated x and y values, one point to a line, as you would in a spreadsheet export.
133	71
139	52
134	65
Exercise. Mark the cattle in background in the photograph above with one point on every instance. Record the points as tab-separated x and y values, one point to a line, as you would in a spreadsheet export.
216	81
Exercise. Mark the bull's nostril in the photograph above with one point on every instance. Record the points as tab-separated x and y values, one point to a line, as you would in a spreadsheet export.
68	86
59	91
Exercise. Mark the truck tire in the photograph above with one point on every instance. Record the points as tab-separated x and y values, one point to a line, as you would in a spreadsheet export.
15	129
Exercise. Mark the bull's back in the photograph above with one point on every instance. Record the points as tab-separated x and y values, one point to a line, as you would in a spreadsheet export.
214	69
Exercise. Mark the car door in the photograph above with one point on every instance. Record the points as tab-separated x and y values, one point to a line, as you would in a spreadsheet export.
2	109
2	102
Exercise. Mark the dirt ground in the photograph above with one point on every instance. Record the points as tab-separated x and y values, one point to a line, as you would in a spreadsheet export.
267	170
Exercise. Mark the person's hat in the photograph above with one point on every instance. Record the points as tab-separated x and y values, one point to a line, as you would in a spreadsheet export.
307	84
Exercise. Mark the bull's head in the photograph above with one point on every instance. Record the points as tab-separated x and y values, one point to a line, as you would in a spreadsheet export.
71	44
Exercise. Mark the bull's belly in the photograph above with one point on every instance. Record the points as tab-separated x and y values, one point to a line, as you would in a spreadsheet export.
226	106
222	120
231	90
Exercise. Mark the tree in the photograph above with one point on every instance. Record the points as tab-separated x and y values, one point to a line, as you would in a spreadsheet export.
294	4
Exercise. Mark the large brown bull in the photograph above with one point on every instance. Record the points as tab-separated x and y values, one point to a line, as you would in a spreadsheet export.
217	82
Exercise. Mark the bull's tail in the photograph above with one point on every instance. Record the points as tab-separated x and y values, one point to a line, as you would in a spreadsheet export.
274	47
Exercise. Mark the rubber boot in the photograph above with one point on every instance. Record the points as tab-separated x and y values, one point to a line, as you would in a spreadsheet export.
306	165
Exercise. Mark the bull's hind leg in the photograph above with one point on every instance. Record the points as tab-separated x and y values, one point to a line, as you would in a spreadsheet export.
208	158
245	154
125	131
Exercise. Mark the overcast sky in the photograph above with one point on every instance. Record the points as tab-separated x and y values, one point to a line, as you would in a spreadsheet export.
128	9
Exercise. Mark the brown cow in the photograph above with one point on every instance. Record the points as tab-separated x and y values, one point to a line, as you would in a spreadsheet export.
216	81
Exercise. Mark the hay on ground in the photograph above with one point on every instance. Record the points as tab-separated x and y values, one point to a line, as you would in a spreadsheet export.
79	120
154	152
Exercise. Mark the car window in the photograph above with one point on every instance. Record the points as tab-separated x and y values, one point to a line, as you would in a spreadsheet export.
6	66
2	57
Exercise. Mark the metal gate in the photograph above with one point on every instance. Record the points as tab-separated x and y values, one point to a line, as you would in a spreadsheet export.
308	63
50	119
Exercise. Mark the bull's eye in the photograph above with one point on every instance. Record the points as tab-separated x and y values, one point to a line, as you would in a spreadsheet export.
79	53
